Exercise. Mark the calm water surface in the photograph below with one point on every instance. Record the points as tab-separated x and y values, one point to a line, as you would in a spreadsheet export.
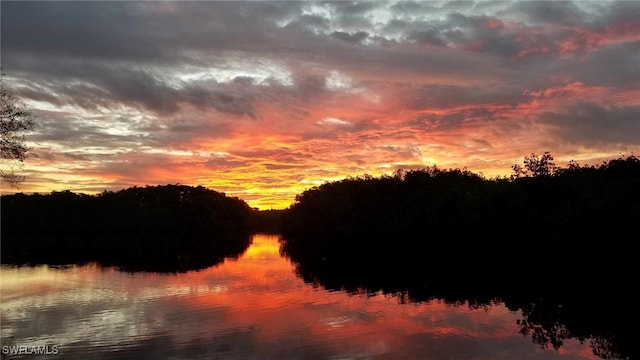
250	308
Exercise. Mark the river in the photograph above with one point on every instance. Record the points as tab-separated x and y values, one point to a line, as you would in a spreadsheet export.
252	307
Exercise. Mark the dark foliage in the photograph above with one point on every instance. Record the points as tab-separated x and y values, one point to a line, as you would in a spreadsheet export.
267	221
162	228
569	212
555	243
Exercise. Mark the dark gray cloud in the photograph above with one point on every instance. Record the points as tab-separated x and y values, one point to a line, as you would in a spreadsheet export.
156	32
353	38
618	12
310	22
90	29
78	51
180	132
591	124
429	36
58	156
411	7
353	15
453	120
69	131
459	98
551	12
93	85
615	65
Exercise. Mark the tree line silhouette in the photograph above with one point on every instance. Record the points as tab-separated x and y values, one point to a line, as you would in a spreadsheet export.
585	211
555	243
161	228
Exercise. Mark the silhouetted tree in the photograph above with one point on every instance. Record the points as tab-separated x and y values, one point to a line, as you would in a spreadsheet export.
15	120
535	165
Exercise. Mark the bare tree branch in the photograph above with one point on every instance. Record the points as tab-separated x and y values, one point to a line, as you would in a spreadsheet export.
15	121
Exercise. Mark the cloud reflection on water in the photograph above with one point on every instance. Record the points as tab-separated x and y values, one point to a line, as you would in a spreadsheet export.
250	308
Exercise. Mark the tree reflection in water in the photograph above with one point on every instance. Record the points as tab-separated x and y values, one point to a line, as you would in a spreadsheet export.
558	301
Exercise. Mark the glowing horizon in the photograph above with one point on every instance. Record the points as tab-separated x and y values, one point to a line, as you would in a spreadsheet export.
263	100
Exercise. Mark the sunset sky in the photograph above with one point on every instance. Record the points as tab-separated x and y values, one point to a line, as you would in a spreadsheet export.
262	100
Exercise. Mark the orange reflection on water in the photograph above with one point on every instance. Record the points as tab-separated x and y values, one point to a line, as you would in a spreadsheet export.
252	307
276	303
